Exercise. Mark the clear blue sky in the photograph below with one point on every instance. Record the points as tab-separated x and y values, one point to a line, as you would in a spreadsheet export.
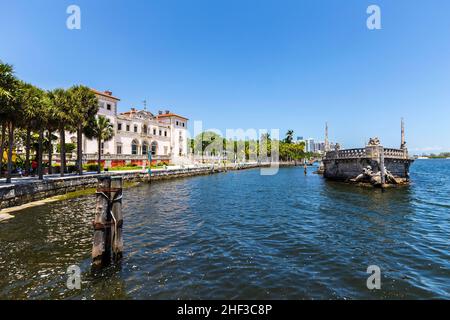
251	63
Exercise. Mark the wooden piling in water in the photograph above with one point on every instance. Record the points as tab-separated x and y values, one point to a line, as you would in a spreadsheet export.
108	221
117	246
99	248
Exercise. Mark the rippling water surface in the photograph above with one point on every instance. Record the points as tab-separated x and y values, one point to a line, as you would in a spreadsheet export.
241	235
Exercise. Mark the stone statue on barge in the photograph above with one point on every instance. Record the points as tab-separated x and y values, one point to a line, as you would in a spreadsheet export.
374	164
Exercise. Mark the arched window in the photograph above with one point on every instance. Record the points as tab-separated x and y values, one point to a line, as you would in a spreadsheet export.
144	130
134	147
154	148
144	148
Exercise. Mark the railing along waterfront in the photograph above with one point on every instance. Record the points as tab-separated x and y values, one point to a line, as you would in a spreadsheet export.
366	153
107	157
94	156
347	154
394	153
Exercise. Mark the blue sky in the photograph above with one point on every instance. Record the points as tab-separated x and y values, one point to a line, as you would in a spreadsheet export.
251	63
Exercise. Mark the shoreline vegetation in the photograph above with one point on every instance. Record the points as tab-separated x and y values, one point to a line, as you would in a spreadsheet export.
442	155
33	150
210	143
30	117
33	123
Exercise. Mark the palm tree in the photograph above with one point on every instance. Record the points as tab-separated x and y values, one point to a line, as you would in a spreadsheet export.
2	143
35	107
5	95
103	130
59	99
41	120
265	146
83	108
52	126
30	102
48	142
289	136
9	111
7	83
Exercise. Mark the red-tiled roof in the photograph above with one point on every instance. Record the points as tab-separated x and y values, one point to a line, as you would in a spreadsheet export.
104	94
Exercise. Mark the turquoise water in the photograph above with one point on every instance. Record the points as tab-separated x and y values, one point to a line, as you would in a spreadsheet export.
240	235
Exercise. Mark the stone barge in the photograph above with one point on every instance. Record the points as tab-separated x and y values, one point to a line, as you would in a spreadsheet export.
373	164
348	165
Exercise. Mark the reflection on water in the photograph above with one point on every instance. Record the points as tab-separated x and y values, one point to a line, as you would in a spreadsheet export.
242	235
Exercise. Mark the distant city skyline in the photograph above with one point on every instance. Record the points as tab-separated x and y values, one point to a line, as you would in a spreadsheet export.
251	64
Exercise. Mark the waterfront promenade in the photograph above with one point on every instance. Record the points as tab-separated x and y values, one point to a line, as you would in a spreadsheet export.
26	191
57	177
30	189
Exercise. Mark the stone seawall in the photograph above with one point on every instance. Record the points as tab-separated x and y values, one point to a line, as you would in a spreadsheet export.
29	191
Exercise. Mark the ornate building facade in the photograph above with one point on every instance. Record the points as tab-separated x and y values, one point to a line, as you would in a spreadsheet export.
138	133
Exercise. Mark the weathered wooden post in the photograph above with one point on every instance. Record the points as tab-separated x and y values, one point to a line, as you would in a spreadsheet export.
117	216
102	233
108	221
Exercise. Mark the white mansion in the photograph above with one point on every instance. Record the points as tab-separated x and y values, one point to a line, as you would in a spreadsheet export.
137	133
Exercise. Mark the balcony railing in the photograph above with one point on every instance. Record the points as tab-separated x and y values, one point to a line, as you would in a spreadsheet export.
108	157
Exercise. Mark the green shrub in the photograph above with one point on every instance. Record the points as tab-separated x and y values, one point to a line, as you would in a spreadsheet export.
124	168
72	168
70	147
92	167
